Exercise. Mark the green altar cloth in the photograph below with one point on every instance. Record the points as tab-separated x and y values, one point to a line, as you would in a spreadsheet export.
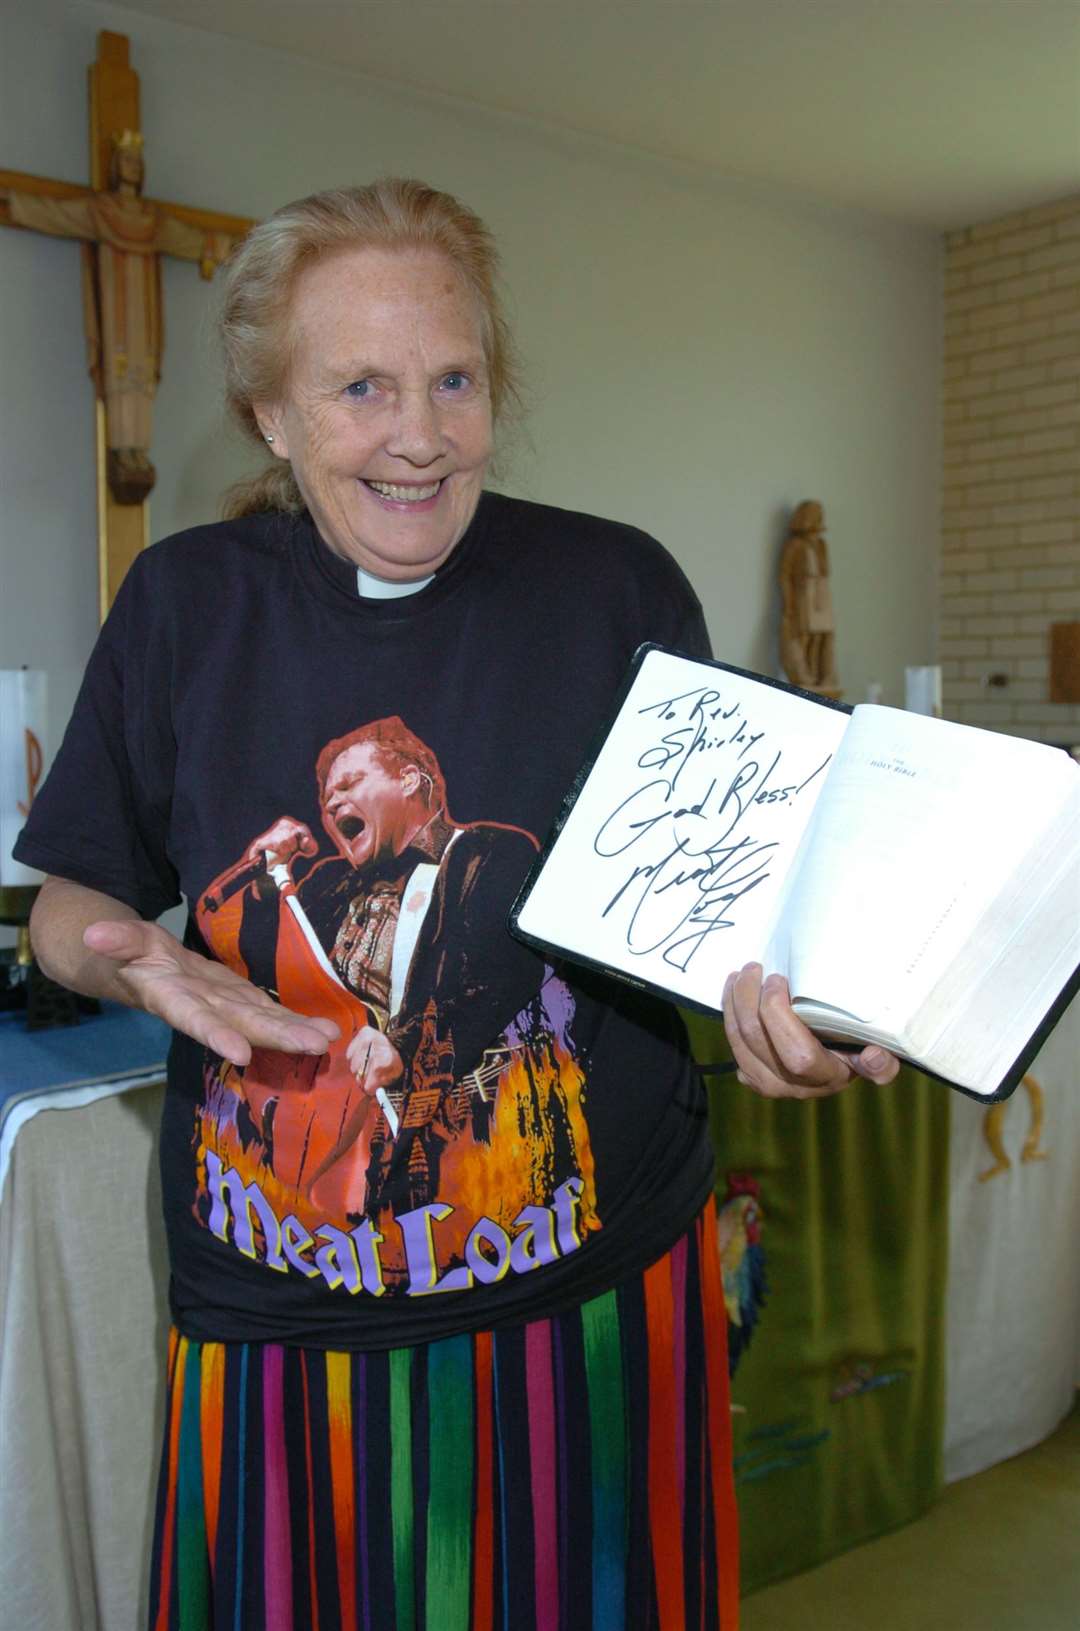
838	1398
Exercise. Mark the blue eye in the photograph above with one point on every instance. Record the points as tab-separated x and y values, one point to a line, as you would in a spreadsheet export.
359	389
455	382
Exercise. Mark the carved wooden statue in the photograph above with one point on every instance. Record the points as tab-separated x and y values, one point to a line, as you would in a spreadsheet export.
124	237
807	628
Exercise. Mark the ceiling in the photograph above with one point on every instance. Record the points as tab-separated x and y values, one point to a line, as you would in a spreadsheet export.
937	112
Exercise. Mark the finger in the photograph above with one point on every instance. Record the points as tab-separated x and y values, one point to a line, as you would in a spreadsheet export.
228	1044
757	1065
313	1027
252	1010
804	1070
203	1011
739	1051
744	999
221	986
762	1059
874	1064
190	1014
797	1049
274	1027
806	1056
203	998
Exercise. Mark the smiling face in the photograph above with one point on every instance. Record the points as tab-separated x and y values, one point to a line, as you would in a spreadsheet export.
387	417
372	806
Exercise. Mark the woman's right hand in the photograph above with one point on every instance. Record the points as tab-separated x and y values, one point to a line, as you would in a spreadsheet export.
198	996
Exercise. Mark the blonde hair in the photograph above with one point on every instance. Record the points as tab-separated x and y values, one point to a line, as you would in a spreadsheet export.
261	277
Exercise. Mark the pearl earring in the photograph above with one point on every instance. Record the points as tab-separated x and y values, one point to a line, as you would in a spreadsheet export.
269	438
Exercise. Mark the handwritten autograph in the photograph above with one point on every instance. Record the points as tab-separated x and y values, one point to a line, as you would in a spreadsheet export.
695	857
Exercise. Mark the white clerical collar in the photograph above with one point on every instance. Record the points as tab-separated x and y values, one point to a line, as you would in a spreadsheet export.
369	587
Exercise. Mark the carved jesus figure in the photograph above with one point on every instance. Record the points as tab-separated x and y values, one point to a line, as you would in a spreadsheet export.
807	630
124	238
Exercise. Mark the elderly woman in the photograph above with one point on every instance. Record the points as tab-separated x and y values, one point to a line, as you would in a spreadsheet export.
448	1343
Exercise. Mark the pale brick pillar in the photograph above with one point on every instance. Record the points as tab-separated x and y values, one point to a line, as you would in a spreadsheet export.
1011	507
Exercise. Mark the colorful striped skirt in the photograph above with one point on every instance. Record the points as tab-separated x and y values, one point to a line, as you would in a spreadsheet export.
571	1472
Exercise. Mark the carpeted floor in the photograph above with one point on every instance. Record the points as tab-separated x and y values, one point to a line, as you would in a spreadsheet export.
1000	1552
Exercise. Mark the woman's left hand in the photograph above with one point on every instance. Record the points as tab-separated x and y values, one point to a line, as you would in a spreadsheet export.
777	1056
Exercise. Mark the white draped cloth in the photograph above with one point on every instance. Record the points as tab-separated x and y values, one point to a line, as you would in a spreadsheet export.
83	1332
1013	1301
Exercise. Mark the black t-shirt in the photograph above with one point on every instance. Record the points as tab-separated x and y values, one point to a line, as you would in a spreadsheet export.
541	1133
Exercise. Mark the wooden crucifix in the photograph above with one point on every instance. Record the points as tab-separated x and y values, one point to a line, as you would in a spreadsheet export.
123	238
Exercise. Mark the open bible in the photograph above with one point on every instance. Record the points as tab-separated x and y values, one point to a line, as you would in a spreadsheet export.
916	881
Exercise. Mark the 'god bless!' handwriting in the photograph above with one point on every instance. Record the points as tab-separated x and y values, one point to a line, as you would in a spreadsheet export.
688	844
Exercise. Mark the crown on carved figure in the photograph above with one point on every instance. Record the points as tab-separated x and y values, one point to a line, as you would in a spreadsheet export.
127	140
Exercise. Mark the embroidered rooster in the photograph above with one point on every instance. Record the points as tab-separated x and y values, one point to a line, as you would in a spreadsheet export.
742	1261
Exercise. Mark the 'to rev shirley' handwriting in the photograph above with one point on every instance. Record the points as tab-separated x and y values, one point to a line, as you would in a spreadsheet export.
695	848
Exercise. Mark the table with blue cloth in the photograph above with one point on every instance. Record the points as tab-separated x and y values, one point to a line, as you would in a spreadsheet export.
83	1317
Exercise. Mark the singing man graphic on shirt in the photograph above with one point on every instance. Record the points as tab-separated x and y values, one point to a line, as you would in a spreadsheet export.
410	910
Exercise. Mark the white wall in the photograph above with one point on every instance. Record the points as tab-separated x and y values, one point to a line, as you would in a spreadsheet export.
702	355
